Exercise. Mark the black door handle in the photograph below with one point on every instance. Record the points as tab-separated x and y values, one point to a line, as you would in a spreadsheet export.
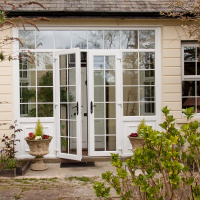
91	107
77	107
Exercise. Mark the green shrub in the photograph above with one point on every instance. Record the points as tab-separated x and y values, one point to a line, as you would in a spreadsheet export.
39	129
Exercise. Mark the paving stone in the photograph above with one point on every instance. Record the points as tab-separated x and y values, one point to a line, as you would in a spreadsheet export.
6	194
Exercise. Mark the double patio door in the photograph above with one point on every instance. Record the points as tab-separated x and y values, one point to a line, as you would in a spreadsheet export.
103	106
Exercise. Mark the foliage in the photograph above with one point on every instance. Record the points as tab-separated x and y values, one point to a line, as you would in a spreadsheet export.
11	164
39	129
167	169
188	12
140	127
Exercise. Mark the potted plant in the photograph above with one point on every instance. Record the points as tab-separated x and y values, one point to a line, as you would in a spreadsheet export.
136	139
39	146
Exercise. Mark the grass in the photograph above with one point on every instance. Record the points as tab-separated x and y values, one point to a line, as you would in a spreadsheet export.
17	196
83	179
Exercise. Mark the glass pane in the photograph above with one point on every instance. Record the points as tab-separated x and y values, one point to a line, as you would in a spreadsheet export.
63	39
189	53
110	94
110	110
110	77
95	39
189	68
63	61
188	88
45	94
198	105
110	143
27	94
63	77
72	60
147	109
72	76
63	94
130	60
45	78
72	146
64	145
72	111
98	94
99	126
147	39
45	110
27	78
99	143
44	61
131	109
79	39
110	62
26	61
111	39
111	126
72	93
188	102
64	128
45	40
147	93
130	77
198	88
98	62
72	129
198	68
28	39
130	93
129	39
98	77
147	60
146	76
27	110
63	111
98	110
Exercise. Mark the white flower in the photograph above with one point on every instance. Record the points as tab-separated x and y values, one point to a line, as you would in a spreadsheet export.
38	138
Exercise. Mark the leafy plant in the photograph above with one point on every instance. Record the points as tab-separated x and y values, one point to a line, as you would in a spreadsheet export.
39	129
167	170
12	164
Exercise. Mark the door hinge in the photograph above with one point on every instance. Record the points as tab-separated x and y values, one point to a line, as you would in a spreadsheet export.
119	58
54	59
56	150
86	82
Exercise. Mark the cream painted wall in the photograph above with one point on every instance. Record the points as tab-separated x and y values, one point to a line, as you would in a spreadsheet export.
6	83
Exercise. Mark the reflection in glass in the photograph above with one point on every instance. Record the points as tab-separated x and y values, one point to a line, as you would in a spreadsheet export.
147	39
198	105
63	61
189	102
99	144
110	77
72	111
45	94
130	60
130	77
63	77
131	109
110	62
45	78
189	68
44	61
45	40
110	94
26	61
99	126
198	88
27	94
147	108
110	110
98	77
95	39
147	93
98	110
64	144
72	60
30	78
129	39
72	146
27	110
63	94
72	76
72	93
147	60
111	143
188	88
98	62
63	111
63	39
111	39
130	93
98	94
64	128
72	128
189	53
45	110
27	38
79	39
147	75
111	126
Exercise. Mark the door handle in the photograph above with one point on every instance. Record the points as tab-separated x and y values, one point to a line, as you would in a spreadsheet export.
91	107
77	107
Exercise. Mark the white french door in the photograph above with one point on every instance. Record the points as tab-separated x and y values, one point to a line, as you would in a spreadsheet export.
103	101
68	101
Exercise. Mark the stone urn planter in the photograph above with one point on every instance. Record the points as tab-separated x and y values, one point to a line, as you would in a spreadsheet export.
38	148
136	142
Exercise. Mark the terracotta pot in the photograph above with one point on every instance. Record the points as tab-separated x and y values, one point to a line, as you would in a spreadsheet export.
38	148
136	142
